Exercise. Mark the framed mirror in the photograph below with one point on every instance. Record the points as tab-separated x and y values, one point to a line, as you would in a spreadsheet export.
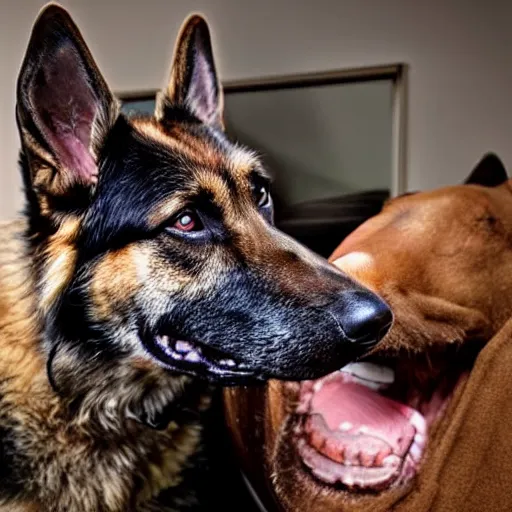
334	143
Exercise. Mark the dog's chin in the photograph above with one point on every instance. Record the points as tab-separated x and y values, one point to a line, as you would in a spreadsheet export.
199	360
365	428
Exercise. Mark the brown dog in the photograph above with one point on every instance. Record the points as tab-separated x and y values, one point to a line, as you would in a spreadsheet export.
410	427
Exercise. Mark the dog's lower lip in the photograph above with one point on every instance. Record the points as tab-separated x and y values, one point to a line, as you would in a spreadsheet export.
189	351
188	357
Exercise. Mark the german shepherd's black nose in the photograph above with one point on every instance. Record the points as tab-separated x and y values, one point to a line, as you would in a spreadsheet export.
363	317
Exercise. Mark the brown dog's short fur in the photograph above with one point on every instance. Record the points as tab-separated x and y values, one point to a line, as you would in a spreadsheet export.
443	261
145	267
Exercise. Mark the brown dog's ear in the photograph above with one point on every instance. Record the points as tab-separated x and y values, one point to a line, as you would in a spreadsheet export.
489	172
64	108
193	88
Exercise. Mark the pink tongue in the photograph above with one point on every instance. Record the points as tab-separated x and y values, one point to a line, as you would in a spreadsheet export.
353	408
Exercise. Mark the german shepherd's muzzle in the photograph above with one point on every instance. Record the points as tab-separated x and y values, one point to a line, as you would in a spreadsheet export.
154	235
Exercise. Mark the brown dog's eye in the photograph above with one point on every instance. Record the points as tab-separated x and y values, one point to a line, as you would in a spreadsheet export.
188	221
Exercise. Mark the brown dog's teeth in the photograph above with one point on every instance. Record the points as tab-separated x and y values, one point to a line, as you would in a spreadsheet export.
370	373
392	461
183	346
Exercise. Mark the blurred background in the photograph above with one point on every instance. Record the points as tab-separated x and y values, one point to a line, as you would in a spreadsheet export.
458	55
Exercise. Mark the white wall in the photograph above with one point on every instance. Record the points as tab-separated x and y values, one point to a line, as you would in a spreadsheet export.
319	142
460	56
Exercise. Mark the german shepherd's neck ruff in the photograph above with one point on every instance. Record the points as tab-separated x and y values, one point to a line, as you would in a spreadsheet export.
146	268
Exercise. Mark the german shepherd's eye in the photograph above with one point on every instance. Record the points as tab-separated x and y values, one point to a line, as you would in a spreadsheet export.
187	221
261	195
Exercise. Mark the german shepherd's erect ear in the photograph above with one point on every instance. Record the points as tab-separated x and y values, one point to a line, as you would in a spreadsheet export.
64	112
193	85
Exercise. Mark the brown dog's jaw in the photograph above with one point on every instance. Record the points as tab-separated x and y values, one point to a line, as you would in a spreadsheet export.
354	436
366	427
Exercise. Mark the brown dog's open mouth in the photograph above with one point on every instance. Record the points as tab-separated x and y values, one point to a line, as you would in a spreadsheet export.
366	427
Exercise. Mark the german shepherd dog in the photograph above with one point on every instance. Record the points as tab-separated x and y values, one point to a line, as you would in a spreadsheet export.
146	269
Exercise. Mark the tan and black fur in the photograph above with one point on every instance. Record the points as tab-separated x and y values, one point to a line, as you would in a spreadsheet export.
146	268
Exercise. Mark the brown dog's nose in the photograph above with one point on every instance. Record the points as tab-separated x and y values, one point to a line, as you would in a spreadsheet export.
363	316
